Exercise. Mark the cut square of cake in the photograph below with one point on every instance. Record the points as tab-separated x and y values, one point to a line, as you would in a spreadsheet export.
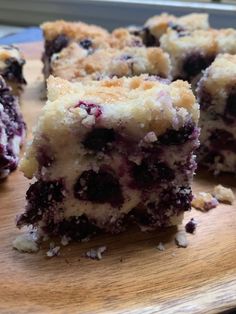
107	153
11	67
59	34
158	25
217	97
192	52
76	63
12	130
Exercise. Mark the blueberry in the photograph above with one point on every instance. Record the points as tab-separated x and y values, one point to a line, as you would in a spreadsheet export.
223	140
101	187
194	63
41	197
86	43
99	139
13	71
56	45
151	172
92	109
149	39
75	228
177	137
230	108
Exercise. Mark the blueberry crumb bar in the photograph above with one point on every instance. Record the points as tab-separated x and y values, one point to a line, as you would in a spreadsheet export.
76	63
217	97
11	67
192	52
111	152
59	34
158	25
12	130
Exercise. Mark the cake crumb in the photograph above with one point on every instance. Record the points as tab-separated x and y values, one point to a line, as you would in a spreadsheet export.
161	247
190	226
96	253
53	250
65	240
204	201
224	194
181	239
25	243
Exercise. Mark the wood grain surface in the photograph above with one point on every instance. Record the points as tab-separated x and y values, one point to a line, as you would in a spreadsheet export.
133	276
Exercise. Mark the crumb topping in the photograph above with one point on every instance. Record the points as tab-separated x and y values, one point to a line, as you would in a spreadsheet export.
224	194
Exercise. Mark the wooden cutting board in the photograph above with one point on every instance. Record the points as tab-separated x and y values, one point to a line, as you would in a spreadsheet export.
133	276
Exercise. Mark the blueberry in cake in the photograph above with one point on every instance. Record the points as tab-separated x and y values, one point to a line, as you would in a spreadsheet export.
76	63
217	97
111	152
192	52
59	34
12	130
158	25
11	67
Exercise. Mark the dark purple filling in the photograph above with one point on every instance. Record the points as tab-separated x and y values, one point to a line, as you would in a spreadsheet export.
180	136
99	139
207	157
150	173
86	43
56	45
42	196
194	63
222	140
204	98
149	39
99	187
92	109
14	72
76	228
230	108
178	199
12	124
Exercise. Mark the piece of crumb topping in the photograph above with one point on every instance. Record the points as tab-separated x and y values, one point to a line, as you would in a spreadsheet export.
224	194
204	201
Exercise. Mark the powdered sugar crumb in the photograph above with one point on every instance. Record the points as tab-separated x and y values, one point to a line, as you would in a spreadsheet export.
65	240
181	239
26	243
53	250
161	247
96	253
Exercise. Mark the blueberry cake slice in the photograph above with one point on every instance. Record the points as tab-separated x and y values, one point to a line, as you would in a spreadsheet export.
12	130
157	25
217	97
76	63
59	34
11	67
106	153
192	52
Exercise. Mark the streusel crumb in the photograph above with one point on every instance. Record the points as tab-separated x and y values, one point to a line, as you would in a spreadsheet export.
224	194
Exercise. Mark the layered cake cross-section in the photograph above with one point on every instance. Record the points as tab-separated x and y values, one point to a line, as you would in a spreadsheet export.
11	67
111	152
12	130
217	97
76	63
